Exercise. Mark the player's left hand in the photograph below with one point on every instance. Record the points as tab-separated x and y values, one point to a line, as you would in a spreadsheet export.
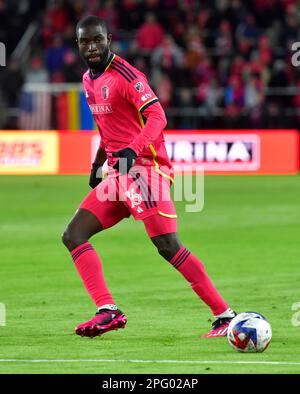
127	160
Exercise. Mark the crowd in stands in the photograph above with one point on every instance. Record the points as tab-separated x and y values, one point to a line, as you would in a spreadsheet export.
213	63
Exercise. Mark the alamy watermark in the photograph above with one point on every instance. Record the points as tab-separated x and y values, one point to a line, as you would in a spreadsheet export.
145	188
2	55
296	316
190	189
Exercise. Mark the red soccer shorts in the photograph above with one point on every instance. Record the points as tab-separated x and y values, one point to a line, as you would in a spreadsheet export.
143	193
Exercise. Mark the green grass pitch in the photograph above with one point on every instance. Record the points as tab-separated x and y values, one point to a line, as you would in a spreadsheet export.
247	236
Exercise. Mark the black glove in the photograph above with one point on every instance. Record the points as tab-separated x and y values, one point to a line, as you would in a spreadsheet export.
96	175
122	165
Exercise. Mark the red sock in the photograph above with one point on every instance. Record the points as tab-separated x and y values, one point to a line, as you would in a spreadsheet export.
194	272
89	268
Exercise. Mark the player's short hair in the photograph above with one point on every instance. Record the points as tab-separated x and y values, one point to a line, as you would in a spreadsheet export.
91	20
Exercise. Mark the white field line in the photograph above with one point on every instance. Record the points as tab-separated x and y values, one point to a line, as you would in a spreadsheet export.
12	360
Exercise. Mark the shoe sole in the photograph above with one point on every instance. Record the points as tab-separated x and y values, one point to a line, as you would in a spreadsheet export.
97	330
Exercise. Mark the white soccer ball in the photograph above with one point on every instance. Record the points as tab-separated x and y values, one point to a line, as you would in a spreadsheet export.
249	332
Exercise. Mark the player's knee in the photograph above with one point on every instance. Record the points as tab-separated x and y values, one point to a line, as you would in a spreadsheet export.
72	239
66	238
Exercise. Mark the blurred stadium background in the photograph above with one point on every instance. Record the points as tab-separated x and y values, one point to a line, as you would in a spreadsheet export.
213	64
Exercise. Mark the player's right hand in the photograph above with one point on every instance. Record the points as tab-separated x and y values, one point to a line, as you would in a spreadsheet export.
96	175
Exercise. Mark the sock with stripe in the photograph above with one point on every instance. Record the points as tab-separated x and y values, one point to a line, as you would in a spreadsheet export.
89	268
194	272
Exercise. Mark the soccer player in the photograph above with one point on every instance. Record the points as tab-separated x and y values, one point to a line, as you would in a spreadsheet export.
130	120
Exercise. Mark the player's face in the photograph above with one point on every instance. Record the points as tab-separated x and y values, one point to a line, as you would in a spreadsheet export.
93	44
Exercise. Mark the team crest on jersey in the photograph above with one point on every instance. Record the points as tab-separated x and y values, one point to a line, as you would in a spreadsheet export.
139	87
105	92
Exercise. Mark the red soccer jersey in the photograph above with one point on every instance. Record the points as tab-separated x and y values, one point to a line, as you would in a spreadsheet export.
127	113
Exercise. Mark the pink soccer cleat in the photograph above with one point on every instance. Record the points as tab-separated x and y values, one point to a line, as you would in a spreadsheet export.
105	320
219	328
